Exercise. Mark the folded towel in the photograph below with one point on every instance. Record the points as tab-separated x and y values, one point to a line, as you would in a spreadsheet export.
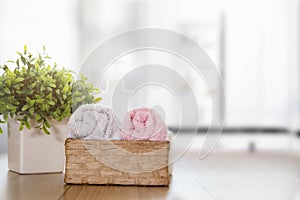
143	124
92	121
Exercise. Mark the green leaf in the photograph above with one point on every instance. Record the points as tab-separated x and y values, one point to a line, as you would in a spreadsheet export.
1	131
78	99
52	103
46	130
49	89
31	103
37	116
28	99
11	107
52	85
19	79
32	73
38	126
37	88
96	100
25	49
11	113
16	87
27	124
23	60
67	111
15	102
5	116
46	123
40	100
37	65
25	107
66	88
31	110
21	127
6	90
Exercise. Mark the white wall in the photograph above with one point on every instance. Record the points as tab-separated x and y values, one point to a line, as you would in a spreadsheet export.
261	76
36	23
260	45
259	70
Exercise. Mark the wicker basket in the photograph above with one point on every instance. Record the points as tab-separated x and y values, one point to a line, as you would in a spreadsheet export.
117	162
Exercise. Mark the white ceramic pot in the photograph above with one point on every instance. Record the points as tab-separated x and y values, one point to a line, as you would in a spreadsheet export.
33	151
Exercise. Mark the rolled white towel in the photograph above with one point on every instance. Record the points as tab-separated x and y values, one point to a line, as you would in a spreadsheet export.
92	121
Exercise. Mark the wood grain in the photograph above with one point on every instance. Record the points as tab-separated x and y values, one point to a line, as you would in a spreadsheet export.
115	192
29	187
222	175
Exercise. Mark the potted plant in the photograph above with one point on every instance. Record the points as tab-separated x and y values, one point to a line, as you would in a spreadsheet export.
36	99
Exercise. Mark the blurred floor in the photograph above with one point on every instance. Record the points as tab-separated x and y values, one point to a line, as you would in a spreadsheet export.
226	174
231	172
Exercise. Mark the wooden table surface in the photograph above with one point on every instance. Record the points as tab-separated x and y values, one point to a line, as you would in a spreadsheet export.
221	176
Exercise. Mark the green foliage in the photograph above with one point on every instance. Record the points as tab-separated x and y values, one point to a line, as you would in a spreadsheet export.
37	90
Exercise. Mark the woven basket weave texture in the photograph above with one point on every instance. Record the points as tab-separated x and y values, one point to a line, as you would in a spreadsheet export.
117	162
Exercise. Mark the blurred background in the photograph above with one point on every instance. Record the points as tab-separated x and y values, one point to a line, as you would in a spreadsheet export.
255	45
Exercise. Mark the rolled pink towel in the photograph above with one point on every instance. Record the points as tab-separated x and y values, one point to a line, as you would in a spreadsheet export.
143	124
